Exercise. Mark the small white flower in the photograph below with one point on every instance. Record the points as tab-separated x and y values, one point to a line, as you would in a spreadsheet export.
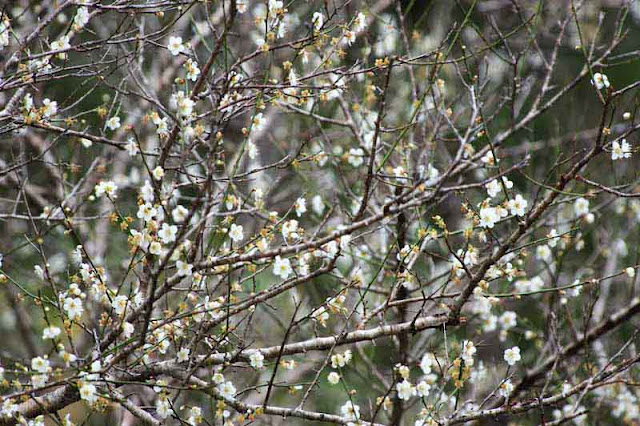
423	389
356	157
73	307
512	355
468	351
543	252
275	6
158	173
488	217
256	359
41	365
290	229
581	207
50	332
184	269
340	360
508	320
227	390
168	233
113	123
350	411
426	362
405	390
193	72
49	107
132	147
61	44
37	269
155	248
360	23
258	122
493	188
252	150
333	378
120	304
196	416
630	271
300	206
350	37
506	388
318	20
81	18
620	150
175	45
146	192
179	214
553	238
127	330
106	187
163	408
600	81
317	205
293	78
489	159
146	212
282	268
236	232
518	205
88	393
183	354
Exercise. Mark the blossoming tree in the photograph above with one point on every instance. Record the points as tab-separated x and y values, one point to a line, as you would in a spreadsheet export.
351	212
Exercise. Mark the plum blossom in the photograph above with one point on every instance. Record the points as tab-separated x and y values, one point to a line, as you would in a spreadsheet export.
488	217
236	232
113	123
620	150
517	205
600	81
282	268
512	355
175	46
350	411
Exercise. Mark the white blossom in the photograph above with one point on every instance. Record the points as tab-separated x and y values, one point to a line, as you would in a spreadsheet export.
113	123
256	359
512	355
88	392
517	205
356	157
227	390
175	45
168	233
620	150
600	81
318	20
333	378
51	332
179	214
184	269
488	217
282	267
158	173
236	232
350	411
405	390
82	18
300	206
